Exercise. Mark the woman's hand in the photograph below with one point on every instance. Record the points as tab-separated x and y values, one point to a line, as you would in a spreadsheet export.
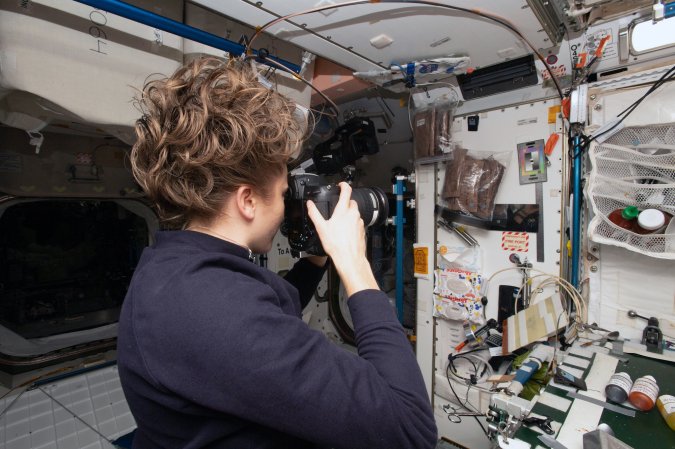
343	237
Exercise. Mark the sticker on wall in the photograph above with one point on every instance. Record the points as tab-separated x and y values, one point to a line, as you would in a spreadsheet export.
515	241
421	260
10	163
553	113
531	162
84	159
527	121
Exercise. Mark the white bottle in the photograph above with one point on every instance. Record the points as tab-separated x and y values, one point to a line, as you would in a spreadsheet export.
650	221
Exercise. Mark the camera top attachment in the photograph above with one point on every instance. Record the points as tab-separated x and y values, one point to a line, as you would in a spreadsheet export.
354	139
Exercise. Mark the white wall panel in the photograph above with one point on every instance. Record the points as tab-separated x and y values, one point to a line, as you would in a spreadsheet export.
500	130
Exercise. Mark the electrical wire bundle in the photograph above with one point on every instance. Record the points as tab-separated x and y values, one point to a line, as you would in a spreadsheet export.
470	381
668	76
573	294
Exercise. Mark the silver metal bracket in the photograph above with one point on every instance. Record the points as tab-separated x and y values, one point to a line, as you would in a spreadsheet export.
579	104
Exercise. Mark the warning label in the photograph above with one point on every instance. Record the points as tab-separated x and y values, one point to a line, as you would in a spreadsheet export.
421	255
515	241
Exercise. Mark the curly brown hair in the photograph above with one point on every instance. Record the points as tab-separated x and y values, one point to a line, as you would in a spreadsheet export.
206	130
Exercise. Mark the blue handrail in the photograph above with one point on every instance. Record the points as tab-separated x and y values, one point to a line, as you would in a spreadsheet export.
399	222
180	29
576	210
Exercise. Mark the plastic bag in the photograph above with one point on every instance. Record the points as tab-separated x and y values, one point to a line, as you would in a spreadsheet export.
456	289
423	131
443	126
470	259
472	181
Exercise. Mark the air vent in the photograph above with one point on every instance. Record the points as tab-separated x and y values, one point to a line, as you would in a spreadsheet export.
504	77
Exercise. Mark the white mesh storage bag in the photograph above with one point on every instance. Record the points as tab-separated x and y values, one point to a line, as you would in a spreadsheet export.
635	167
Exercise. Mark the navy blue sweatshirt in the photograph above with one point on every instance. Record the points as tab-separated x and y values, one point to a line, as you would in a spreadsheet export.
213	353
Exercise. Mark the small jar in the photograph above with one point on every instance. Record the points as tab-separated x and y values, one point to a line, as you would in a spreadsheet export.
650	221
644	392
625	218
666	405
618	387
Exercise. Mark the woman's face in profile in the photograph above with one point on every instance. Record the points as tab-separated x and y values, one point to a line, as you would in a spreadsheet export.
270	214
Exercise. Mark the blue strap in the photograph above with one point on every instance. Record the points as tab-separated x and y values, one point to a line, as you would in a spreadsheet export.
410	75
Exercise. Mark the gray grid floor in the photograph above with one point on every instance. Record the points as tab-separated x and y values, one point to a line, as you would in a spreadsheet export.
36	421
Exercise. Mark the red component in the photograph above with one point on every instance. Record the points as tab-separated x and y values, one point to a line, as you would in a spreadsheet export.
601	46
551	59
550	143
566	103
581	61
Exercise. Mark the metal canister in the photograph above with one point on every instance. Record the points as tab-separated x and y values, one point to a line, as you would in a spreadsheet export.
618	387
644	392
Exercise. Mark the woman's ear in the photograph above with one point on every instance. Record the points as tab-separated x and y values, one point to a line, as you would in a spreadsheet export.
246	202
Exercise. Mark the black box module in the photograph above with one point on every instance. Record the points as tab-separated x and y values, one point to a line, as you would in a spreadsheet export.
472	122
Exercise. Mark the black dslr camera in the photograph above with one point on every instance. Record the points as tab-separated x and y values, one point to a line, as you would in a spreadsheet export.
298	227
350	142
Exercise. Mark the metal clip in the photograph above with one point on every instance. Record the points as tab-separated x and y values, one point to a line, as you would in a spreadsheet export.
543	423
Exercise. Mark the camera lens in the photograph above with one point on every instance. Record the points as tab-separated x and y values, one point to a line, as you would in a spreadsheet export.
373	205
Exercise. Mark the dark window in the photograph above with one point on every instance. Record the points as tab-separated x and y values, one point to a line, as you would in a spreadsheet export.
65	265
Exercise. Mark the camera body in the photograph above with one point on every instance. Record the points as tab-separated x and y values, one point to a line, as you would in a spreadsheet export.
298	227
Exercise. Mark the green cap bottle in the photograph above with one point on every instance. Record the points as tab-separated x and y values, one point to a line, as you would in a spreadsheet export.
630	213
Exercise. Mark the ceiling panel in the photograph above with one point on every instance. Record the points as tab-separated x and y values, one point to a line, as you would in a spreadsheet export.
418	31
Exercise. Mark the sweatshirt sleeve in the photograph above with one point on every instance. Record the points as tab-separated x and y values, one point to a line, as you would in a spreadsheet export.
305	276
269	367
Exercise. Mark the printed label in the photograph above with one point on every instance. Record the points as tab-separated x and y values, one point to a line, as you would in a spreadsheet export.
646	386
527	121
621	380
495	352
421	257
553	112
515	241
10	163
668	403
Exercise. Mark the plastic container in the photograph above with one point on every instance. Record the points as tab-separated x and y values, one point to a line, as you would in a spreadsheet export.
618	387
644	392
650	221
666	405
624	218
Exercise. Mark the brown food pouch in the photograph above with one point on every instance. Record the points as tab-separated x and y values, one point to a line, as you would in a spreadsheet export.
423	127
453	169
489	187
489	170
468	186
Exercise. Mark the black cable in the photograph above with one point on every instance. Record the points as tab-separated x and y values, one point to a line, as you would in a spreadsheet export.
472	11
454	370
452	357
666	77
586	141
459	401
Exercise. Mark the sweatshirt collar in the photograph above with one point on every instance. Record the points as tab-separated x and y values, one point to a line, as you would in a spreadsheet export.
205	242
